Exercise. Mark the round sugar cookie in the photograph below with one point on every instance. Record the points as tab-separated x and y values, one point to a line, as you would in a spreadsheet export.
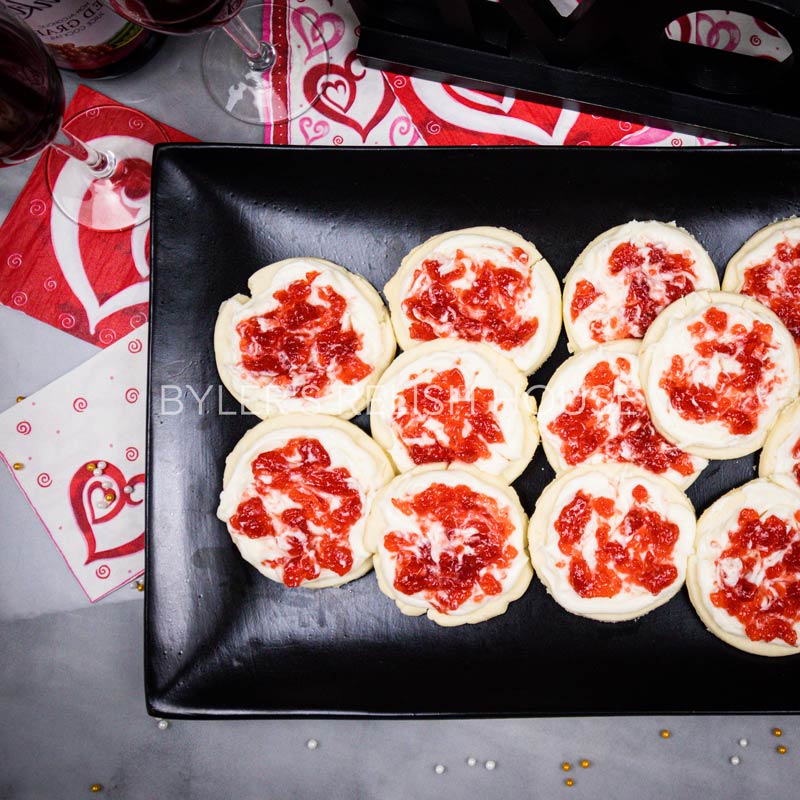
449	401
593	411
626	276
611	541
767	268
312	337
449	542
744	576
296	494
481	285
781	453
716	369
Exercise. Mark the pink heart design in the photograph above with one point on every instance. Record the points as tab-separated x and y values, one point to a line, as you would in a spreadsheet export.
82	489
311	28
338	86
313	131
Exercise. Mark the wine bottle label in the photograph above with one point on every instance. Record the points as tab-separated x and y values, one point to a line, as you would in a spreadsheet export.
81	34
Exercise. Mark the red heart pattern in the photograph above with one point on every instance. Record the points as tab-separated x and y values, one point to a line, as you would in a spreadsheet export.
83	489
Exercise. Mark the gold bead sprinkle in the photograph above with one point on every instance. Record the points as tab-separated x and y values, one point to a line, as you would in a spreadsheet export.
20	398
665	734
566	766
781	749
96	787
569	782
109	496
139	586
91	467
777	732
18	466
585	763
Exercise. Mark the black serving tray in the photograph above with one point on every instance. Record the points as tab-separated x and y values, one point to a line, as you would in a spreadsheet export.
221	640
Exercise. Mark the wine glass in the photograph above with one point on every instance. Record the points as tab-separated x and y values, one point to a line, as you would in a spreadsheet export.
243	73
101	183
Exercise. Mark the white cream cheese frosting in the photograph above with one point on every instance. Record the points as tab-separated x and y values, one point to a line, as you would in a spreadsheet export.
364	314
603	319
349	448
511	409
616	483
710	571
443	543
674	334
536	292
567	393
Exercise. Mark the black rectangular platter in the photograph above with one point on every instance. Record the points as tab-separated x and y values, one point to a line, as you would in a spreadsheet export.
221	640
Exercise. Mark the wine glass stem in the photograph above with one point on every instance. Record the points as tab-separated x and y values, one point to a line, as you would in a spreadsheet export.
101	164
261	55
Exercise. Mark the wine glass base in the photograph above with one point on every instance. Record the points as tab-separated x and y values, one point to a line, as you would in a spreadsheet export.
262	97
121	200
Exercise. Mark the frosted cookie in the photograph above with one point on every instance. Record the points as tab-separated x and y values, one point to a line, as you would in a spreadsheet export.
767	268
781	453
611	541
449	401
449	543
716	369
593	412
744	577
626	276
295	497
312	337
481	285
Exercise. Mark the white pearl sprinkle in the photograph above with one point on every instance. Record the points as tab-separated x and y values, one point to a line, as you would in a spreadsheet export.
101	504
312	744
107	484
163	724
490	765
472	761
439	769
742	742
98	473
734	760
128	490
102	464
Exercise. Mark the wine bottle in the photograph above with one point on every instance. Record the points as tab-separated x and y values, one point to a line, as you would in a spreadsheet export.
87	37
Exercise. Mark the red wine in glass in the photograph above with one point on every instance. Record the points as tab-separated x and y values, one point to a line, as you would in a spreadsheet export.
103	187
31	95
178	16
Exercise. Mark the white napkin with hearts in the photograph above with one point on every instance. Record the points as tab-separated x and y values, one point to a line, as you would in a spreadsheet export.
76	449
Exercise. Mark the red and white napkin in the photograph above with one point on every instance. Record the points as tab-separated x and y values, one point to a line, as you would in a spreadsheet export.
76	449
90	284
367	107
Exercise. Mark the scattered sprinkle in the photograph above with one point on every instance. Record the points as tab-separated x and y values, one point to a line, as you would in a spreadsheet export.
734	760
585	763
312	744
96	787
665	734
566	766
18	466
472	761
781	749
490	765
569	782
439	769
742	742
163	724
777	732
